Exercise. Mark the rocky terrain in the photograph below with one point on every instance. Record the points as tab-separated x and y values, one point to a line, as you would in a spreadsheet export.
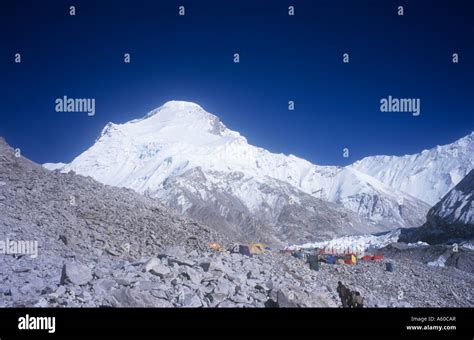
108	246
286	215
206	279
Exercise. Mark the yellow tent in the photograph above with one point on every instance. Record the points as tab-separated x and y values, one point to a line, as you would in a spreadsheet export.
256	248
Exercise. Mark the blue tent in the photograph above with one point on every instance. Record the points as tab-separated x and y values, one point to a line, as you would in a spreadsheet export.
298	254
244	250
330	259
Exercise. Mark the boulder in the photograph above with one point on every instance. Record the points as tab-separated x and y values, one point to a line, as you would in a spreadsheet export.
192	300
148	265
103	286
190	274
76	274
160	270
205	266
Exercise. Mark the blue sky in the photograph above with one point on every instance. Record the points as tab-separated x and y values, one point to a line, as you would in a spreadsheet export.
282	58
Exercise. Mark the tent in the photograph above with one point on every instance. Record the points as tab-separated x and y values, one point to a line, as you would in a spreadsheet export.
378	257
256	248
298	254
313	261
244	250
330	259
215	246
350	259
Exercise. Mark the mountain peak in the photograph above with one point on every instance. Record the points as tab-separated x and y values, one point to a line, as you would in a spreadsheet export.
181	104
173	122
178	106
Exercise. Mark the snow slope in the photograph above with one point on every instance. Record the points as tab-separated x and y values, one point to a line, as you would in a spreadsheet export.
54	166
428	175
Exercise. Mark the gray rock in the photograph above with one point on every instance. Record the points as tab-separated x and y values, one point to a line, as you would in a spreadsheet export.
175	251
223	288
75	273
160	270
151	263
205	266
103	286
191	274
191	300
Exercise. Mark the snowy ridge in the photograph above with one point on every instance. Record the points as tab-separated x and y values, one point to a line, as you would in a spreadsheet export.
428	175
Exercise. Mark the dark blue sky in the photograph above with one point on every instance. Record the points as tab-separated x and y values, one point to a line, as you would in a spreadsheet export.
282	58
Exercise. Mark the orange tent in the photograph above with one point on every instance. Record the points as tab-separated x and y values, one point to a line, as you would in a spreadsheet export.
215	246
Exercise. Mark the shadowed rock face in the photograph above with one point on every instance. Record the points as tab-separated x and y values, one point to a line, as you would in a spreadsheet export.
451	219
457	206
290	216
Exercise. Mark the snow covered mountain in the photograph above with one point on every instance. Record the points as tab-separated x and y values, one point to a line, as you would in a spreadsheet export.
428	175
187	158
